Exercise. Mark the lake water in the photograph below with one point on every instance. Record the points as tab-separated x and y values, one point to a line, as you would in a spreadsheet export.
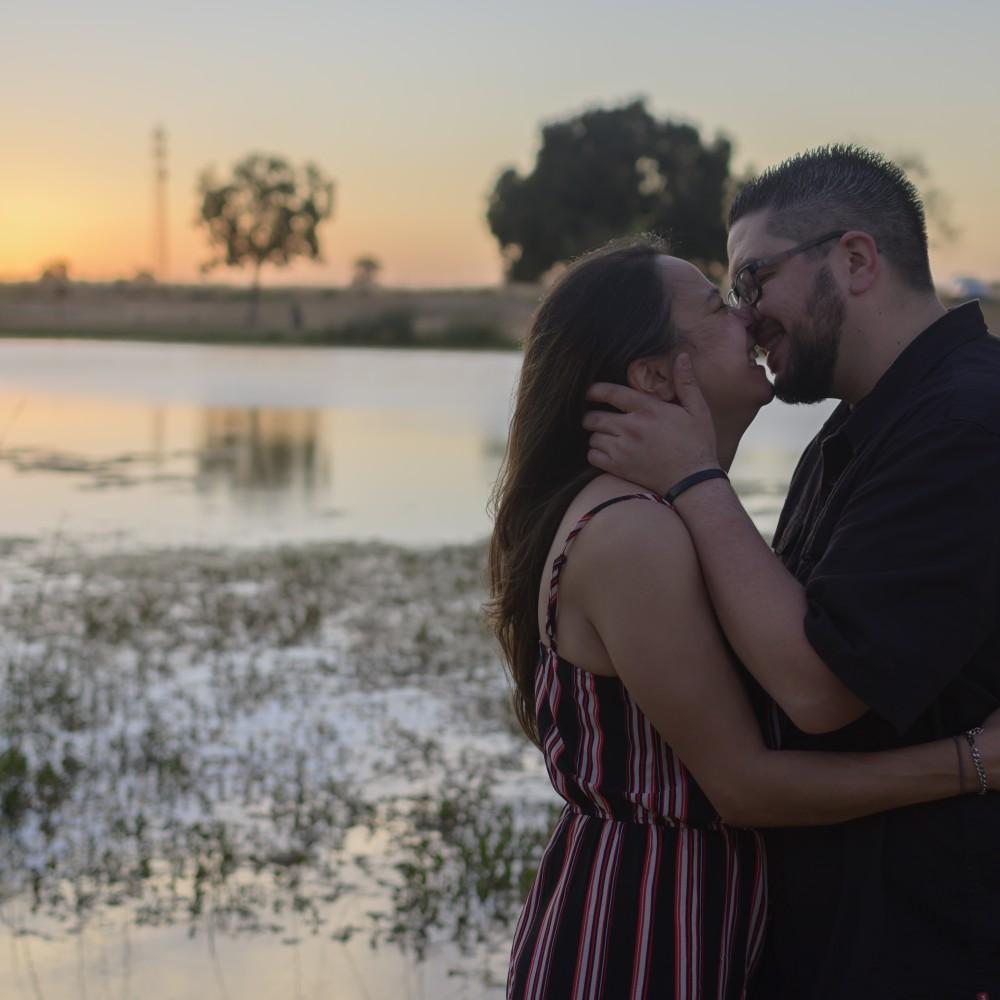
316	742
139	445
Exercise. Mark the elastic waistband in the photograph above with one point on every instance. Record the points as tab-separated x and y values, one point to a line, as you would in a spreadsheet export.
667	822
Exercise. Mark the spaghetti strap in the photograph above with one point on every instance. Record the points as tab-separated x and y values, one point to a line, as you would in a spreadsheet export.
551	610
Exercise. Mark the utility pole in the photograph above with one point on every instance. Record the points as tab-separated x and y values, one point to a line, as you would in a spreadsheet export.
160	203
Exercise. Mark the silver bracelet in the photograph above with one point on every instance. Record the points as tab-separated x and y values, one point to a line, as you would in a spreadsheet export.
977	759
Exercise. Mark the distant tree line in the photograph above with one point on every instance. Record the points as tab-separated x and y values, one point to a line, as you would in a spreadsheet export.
598	175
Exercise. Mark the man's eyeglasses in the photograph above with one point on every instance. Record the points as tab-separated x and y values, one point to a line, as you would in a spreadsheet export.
747	289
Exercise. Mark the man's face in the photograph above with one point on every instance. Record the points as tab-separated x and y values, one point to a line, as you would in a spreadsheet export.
799	316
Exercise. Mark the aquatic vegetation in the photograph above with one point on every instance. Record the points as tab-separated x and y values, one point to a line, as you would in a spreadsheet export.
240	740
464	861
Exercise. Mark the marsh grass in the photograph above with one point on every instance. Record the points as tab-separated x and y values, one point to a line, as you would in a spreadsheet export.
247	741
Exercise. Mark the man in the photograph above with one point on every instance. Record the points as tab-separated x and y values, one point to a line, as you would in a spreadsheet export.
880	624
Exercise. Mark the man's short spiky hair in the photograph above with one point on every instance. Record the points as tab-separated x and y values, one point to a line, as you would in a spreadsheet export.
844	187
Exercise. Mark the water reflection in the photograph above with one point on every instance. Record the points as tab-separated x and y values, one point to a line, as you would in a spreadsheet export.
238	447
171	444
258	450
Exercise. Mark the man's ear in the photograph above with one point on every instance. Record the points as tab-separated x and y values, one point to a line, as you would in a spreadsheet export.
863	262
653	376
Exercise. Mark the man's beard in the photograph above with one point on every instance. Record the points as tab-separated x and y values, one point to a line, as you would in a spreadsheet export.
813	345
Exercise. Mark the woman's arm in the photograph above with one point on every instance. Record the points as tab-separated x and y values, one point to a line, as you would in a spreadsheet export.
641	587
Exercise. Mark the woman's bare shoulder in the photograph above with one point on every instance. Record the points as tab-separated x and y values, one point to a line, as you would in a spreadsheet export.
640	529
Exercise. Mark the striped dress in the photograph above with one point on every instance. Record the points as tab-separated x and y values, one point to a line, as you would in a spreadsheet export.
641	891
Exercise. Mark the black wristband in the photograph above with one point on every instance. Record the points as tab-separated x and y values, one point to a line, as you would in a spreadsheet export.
685	484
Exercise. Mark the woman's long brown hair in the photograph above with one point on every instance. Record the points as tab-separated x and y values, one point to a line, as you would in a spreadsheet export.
609	309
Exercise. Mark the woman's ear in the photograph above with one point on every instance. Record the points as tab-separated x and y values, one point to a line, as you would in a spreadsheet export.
653	376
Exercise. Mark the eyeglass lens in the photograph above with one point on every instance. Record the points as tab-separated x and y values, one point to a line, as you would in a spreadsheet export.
746	287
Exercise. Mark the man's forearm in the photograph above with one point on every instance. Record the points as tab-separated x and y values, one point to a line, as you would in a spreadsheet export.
762	609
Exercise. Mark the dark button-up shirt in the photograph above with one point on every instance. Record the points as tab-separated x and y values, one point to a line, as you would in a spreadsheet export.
892	524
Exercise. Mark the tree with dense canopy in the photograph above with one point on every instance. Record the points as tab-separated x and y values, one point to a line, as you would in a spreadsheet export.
606	173
266	213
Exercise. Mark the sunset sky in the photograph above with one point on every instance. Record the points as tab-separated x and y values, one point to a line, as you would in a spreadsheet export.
415	108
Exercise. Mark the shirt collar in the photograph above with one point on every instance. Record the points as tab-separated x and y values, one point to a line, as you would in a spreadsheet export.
956	327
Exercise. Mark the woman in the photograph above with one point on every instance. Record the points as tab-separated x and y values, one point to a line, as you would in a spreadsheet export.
651	885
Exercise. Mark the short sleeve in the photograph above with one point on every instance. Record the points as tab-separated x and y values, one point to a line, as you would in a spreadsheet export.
908	587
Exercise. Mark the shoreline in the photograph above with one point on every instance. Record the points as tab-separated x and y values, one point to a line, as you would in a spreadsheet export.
263	338
464	319
474	321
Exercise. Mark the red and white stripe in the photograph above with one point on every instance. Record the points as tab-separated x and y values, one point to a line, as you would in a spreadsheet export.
730	909
534	900
758	905
687	916
647	901
541	959
590	765
588	979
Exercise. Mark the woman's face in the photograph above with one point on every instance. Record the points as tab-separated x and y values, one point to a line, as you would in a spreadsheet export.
717	340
